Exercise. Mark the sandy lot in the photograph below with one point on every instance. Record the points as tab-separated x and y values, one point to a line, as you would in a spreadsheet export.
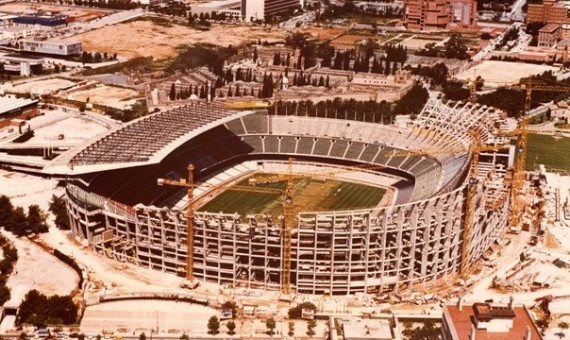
144	38
498	73
143	315
80	14
106	95
42	86
25	190
35	269
416	44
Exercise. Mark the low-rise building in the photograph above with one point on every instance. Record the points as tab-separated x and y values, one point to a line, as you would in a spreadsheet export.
463	321
13	107
215	7
51	47
41	22
22	65
548	35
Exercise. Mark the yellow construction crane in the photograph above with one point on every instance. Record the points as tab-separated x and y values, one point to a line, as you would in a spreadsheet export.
190	185
476	149
528	85
288	209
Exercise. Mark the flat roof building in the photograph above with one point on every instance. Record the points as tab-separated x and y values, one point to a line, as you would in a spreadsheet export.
42	22
51	47
547	12
488	321
12	107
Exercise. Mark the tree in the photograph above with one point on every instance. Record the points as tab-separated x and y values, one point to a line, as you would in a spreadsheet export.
291	328
36	219
142	336
455	47
59	209
97	57
231	305
6	209
17	222
438	74
213	325
311	324
295	312
427	332
172	94
231	327
563	325
270	324
413	101
184	336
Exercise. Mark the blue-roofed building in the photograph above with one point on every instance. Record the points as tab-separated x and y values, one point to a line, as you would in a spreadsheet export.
41	22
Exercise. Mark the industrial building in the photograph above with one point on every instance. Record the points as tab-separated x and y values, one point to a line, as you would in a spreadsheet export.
488	321
51	47
432	15
419	237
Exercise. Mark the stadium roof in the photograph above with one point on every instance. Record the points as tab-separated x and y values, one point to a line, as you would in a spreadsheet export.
145	141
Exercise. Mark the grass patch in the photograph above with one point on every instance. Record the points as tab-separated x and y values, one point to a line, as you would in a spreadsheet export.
552	151
310	194
135	63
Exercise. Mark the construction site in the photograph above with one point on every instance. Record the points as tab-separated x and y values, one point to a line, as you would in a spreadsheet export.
417	236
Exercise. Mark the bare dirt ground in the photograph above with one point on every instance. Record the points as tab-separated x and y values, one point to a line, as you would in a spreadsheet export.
497	73
144	38
47	85
80	14
35	269
106	95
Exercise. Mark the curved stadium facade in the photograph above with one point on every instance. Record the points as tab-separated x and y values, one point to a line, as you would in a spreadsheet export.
115	203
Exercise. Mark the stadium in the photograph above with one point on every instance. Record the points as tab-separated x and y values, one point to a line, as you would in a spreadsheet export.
384	209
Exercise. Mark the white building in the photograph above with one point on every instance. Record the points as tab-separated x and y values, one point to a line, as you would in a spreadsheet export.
51	47
215	6
262	9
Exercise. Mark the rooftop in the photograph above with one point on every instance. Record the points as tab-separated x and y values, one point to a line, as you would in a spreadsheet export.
463	321
367	329
9	103
550	28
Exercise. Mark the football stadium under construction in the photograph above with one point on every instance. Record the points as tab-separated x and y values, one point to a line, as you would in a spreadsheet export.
447	176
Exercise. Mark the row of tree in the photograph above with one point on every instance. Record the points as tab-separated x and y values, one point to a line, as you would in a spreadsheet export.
10	256
40	310
368	111
97	57
15	220
453	48
270	324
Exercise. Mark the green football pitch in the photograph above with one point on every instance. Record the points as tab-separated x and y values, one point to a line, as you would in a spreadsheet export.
310	194
552	151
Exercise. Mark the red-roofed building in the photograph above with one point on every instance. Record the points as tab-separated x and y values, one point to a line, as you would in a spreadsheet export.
484	321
